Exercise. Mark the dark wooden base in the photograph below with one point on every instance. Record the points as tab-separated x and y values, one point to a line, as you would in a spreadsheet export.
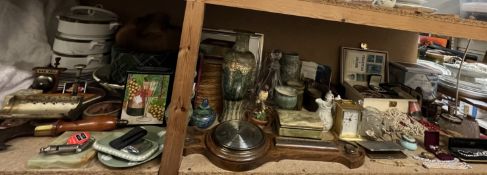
201	142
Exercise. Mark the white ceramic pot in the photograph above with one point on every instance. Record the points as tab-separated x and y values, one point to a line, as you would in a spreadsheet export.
92	62
88	21
78	46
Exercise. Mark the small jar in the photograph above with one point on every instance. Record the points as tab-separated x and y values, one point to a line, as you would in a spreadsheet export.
286	97
203	116
408	142
299	86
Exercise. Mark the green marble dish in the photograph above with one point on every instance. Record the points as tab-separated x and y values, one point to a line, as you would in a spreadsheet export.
56	161
154	133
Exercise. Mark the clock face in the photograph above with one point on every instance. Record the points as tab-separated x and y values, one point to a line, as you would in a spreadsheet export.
350	123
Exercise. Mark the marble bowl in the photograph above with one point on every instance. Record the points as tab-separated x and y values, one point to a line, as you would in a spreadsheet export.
286	97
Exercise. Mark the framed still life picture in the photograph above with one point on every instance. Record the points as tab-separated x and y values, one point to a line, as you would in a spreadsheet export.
146	97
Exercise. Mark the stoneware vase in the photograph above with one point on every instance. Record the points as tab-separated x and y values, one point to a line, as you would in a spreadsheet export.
238	66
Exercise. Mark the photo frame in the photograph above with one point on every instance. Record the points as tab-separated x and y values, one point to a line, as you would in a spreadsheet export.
68	86
146	97
358	64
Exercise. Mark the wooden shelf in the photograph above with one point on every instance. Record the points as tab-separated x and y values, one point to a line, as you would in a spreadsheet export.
365	14
331	10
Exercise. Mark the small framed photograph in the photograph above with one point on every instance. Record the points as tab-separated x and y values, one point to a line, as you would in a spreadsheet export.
147	95
362	63
69	86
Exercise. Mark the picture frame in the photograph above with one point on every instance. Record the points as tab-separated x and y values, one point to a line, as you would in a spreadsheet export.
147	95
358	64
68	86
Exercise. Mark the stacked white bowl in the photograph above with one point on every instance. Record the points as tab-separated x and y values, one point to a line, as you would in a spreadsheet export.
415	2
85	36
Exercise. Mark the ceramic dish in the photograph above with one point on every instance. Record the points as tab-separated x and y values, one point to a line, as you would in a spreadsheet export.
416	7
76	46
154	133
466	89
286	97
110	108
439	67
88	21
102	77
476	70
412	1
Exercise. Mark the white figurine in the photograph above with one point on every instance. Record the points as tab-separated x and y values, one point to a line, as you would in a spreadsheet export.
338	98
324	112
329	96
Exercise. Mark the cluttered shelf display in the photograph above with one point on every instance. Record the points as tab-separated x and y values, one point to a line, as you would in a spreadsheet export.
80	98
250	107
389	107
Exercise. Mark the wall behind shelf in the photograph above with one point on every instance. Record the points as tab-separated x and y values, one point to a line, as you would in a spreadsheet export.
314	40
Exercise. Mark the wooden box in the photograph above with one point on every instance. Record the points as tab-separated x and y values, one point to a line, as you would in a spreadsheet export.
356	67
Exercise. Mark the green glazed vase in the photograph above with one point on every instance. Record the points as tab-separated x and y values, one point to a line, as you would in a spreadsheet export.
238	68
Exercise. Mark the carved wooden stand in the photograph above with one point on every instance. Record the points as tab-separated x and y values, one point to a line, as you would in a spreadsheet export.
201	142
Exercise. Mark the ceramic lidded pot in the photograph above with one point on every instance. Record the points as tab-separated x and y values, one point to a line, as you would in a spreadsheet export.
203	116
286	97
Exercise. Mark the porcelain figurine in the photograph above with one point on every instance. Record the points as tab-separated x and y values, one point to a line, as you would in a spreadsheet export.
203	116
260	113
324	111
262	98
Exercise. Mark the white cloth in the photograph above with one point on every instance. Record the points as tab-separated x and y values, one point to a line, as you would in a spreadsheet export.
27	27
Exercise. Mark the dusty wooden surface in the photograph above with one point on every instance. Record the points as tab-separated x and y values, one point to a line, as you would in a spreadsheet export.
365	14
14	161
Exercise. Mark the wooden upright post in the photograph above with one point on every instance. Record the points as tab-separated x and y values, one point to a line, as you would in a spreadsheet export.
183	86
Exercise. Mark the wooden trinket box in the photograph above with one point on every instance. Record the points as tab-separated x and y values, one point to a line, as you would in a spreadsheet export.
361	73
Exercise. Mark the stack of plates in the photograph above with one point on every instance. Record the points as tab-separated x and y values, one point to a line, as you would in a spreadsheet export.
466	89
477	10
448	80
